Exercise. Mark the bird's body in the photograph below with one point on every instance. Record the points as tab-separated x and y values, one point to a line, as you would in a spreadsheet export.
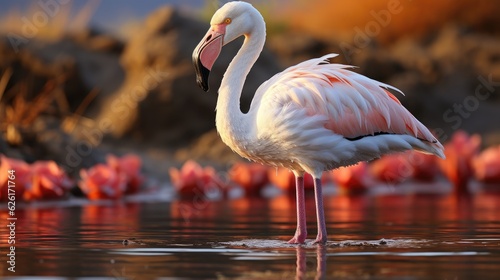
295	120
312	117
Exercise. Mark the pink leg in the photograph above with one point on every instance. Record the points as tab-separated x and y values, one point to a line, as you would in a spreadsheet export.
320	215
301	232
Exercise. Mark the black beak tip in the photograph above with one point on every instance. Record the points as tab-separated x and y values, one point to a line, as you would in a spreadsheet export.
203	85
202	74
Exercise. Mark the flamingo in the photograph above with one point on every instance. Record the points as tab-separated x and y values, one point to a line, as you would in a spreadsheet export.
312	117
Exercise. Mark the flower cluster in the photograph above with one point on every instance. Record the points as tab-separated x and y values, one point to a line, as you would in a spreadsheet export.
38	181
112	180
45	180
120	176
193	180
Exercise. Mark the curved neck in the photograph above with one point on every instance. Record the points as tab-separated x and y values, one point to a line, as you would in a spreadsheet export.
230	121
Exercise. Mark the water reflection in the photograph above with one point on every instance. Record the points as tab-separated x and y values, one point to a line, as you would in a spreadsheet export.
398	236
302	263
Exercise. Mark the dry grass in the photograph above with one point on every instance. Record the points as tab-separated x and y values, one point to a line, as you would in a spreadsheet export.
21	106
19	113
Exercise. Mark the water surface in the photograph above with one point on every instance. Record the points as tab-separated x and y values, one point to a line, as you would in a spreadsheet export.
370	237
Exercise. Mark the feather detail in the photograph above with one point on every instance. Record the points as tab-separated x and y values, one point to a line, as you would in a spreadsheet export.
317	94
353	104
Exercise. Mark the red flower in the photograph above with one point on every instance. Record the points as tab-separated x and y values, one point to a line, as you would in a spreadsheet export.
392	168
459	153
102	182
49	181
285	179
193	180
130	167
354	178
424	166
487	165
250	176
20	178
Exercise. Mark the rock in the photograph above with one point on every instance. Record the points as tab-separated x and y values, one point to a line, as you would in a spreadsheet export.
31	66
76	68
69	152
45	140
61	74
440	77
294	48
376	64
208	146
97	41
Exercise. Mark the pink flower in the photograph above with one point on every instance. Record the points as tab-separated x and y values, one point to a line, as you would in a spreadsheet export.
424	166
20	177
392	168
285	179
102	182
193	180
459	153
49	181
354	178
487	165
250	176
130	167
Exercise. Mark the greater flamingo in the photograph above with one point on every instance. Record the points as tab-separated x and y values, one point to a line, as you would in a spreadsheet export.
312	117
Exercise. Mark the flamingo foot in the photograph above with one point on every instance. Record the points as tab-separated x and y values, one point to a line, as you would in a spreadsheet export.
298	238
320	239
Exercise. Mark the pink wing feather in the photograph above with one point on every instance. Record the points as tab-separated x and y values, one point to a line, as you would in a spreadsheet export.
355	105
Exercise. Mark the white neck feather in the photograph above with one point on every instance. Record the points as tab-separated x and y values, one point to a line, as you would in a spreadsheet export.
232	125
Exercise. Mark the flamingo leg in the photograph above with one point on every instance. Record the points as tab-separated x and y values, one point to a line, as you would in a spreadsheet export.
320	214
301	232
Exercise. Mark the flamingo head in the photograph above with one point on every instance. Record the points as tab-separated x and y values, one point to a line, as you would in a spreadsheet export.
231	21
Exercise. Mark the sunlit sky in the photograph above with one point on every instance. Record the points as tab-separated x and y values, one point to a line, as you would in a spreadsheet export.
107	14
323	18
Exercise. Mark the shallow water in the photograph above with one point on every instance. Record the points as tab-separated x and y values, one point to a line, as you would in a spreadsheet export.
370	237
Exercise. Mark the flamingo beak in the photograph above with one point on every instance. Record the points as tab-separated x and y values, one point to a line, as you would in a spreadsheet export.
205	54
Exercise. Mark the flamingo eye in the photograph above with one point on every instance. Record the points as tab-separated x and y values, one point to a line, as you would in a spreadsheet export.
227	21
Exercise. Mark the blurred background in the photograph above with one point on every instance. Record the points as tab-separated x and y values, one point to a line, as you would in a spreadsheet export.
99	97
80	79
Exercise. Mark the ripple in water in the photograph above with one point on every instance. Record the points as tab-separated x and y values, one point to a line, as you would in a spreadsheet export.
279	244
